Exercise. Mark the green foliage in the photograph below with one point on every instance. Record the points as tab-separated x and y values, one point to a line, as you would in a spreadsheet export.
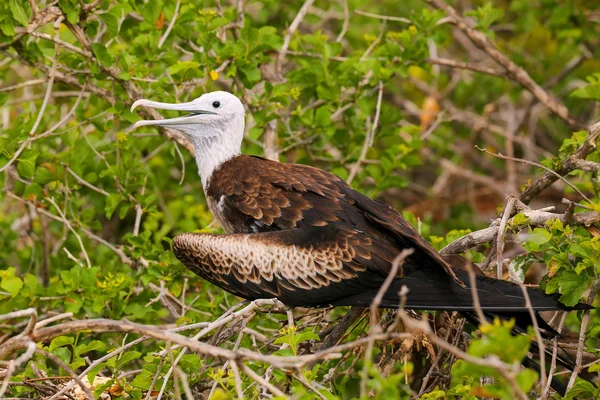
570	253
89	207
497	341
292	338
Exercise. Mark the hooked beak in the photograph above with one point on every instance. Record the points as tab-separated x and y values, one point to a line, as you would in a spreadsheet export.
194	116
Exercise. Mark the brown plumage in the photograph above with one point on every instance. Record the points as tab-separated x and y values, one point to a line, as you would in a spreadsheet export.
304	236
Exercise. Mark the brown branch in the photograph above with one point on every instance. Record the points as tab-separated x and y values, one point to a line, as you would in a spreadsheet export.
510	202
86	390
375	328
516	73
534	218
464	65
288	34
535	164
569	164
581	342
507	371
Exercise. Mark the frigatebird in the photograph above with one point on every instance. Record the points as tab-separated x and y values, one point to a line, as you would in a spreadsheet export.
302	235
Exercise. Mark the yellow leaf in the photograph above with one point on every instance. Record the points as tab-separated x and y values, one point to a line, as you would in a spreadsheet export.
214	75
160	22
429	112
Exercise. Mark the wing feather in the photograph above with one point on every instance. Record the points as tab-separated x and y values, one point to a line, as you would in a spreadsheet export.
264	196
259	265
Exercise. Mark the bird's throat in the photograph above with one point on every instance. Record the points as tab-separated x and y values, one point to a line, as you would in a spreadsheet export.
213	149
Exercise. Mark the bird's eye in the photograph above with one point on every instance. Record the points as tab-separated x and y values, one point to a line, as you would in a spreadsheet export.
216	104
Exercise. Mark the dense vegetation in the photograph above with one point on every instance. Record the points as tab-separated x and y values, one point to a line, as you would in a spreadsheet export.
412	102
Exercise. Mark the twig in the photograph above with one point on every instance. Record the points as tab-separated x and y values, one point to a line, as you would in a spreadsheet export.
237	379
63	365
507	371
549	171
270	141
68	224
346	21
53	319
476	303
510	202
567	165
374	326
178	150
259	379
538	336
489	182
171	25
517	73
464	65
184	382
62	43
534	218
374	44
85	183
22	84
289	32
581	343
14	364
368	138
383	17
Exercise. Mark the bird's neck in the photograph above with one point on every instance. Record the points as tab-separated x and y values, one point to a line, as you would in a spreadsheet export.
217	145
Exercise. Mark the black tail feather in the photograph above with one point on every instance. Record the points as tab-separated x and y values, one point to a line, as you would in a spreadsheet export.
497	298
428	291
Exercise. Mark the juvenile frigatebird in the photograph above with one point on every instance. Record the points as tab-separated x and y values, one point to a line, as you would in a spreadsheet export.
302	235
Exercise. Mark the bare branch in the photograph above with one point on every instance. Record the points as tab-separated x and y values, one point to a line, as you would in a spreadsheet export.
516	73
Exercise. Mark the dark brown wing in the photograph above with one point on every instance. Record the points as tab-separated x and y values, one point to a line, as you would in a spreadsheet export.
258	195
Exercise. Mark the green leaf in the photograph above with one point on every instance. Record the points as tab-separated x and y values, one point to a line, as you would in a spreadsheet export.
69	7
519	220
537	238
127	357
183	66
112	24
572	287
143	380
94	372
306	335
101	54
12	285
3	98
594	368
111	203
582	390
323	116
60	342
591	92
18	12
98	390
434	395
191	363
91	346
526	379
7	28
26	165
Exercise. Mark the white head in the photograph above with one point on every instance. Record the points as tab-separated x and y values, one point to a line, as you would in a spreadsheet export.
215	125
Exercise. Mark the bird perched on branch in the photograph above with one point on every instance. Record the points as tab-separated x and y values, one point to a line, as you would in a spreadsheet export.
302	235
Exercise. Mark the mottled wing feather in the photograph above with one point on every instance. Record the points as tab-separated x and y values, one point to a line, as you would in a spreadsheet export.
286	264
